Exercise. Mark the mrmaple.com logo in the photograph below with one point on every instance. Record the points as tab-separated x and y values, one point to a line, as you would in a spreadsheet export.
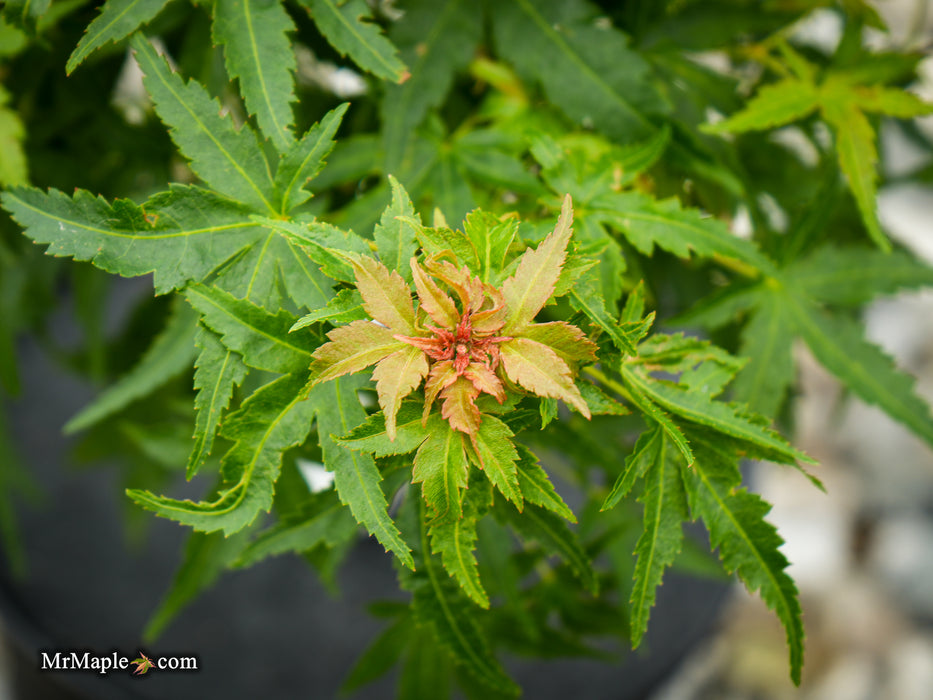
72	660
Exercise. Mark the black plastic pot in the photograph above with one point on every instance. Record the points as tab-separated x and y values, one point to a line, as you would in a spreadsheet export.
271	631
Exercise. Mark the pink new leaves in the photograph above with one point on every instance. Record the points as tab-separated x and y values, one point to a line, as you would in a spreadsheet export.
464	346
484	344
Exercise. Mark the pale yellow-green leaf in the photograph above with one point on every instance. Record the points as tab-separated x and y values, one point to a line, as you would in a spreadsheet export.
533	283
774	105
891	102
352	348
855	148
569	342
386	297
540	370
436	303
396	377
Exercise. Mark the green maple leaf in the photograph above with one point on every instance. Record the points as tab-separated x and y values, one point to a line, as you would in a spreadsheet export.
185	235
259	54
698	407
838	343
647	223
356	477
441	466
218	370
274	418
348	28
591	73
672	409
261	338
256	48
597	174
117	20
441	606
129	240
454	539
709	485
230	161
188	232
748	545
843	103
372	435
435	40
536	487
794	304
665	509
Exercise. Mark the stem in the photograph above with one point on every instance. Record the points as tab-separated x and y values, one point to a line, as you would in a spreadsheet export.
609	383
737	266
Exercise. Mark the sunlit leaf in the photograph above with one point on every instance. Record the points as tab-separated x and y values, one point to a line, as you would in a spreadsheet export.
397	376
386	296
533	283
352	348
540	370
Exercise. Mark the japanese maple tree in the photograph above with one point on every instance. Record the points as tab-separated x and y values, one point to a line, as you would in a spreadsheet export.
589	312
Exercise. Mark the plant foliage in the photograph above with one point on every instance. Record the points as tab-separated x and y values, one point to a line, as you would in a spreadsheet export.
577	195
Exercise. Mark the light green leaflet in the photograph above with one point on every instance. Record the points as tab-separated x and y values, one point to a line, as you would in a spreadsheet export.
748	545
231	161
347	27
260	55
590	73
355	475
842	103
660	542
117	19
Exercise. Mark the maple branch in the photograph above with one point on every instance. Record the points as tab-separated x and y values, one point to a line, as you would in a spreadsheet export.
607	382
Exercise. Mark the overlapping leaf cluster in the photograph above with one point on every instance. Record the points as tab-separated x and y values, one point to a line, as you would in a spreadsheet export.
468	337
844	97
